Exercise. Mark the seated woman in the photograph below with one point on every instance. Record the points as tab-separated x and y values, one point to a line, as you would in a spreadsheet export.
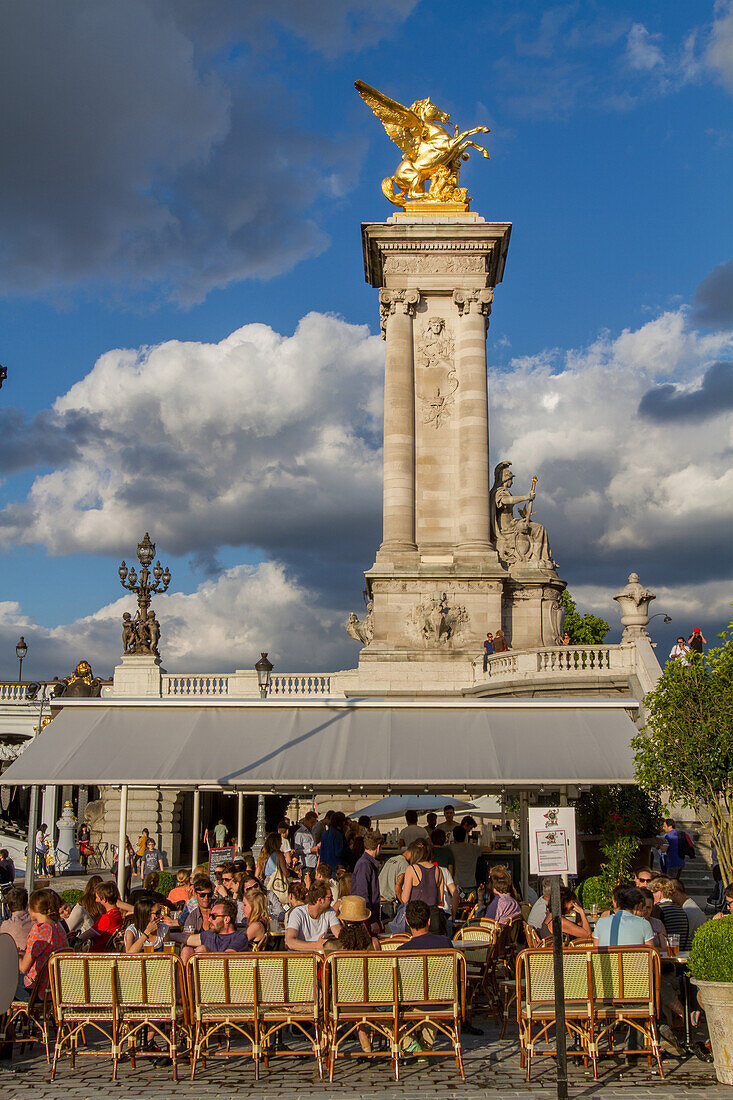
45	937
502	904
149	890
344	890
86	910
256	918
146	928
574	921
182	891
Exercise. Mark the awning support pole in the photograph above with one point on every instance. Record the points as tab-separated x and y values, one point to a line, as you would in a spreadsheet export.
122	841
240	821
30	859
524	842
196	829
564	802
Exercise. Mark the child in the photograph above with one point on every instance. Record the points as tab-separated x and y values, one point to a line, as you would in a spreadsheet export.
103	930
45	937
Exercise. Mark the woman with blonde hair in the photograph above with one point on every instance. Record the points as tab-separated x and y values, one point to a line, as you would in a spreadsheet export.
344	890
256	916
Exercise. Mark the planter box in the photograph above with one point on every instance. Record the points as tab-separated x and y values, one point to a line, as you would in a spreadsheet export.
717	1000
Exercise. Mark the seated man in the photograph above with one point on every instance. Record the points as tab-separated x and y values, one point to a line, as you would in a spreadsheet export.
538	912
196	913
417	915
622	928
222	935
672	916
309	926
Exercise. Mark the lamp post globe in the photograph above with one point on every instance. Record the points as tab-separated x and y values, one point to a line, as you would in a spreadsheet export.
264	668
20	651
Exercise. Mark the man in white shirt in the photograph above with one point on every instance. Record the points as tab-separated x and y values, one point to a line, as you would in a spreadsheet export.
304	844
448	822
390	872
412	830
310	925
680	651
538	912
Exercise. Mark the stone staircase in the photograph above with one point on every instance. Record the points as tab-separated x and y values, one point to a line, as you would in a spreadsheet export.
698	873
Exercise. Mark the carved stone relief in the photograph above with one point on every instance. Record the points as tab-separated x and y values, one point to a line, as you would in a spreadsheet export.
437	381
436	623
434	265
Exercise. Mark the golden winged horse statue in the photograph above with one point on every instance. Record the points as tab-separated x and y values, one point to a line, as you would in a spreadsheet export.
430	151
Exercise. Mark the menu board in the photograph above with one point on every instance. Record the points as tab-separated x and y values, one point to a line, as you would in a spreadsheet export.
217	856
552	848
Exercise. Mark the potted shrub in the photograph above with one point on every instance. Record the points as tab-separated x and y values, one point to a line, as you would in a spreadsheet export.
710	966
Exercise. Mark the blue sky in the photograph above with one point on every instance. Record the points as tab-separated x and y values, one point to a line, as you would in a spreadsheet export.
175	172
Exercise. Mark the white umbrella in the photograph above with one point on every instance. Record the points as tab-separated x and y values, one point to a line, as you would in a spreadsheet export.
395	804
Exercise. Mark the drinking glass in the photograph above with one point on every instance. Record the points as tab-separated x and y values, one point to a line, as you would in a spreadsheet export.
674	944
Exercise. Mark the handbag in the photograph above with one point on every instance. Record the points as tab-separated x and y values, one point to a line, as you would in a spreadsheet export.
278	884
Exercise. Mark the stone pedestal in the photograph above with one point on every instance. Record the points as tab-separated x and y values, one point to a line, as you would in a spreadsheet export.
437	585
67	853
137	676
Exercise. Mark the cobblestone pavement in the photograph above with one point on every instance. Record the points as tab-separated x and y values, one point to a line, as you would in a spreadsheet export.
492	1070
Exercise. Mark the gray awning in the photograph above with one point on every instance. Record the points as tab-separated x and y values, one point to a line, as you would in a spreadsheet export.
330	746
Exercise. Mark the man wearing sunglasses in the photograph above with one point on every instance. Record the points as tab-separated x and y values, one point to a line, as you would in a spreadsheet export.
642	878
196	913
220	936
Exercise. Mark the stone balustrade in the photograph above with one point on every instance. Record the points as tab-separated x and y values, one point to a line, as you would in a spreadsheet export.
205	685
301	684
568	665
12	691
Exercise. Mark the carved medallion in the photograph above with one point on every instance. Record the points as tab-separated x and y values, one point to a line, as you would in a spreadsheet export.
437	381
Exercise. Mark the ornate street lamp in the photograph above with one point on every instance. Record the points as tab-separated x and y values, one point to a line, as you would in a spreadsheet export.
20	651
264	668
142	634
666	619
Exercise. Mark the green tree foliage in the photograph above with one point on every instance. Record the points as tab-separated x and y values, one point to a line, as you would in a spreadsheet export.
616	811
583	629
686	746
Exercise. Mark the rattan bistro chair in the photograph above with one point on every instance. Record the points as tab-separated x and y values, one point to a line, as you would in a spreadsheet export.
394	995
535	978
625	983
255	996
477	945
30	1021
120	998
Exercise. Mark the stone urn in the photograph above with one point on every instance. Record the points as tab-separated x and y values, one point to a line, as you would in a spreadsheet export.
717	1000
633	602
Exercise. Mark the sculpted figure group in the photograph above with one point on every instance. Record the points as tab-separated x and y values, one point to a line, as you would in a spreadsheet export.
140	635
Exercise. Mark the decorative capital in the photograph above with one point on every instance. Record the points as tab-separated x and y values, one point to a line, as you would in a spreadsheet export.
408	300
473	301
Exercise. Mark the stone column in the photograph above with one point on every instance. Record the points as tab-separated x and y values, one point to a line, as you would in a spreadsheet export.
397	308
474	307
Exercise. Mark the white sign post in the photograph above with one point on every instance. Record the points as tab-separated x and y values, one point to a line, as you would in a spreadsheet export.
552	849
552	853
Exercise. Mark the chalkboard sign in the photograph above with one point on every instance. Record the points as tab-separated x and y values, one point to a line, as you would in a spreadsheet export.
217	856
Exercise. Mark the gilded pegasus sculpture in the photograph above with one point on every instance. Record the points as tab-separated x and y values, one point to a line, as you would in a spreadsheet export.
430	151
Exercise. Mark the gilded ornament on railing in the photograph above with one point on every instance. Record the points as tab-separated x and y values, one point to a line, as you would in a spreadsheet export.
430	152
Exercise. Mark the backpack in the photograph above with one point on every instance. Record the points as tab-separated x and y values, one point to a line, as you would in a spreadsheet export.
685	847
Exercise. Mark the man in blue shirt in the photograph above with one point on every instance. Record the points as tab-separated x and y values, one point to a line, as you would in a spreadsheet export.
365	879
673	863
488	649
622	928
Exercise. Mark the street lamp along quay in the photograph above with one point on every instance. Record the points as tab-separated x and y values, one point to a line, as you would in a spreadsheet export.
141	634
20	651
263	668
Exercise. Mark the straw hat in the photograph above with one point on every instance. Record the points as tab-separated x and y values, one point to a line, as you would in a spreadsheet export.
353	908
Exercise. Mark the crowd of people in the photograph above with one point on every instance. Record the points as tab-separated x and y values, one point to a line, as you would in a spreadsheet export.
321	885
